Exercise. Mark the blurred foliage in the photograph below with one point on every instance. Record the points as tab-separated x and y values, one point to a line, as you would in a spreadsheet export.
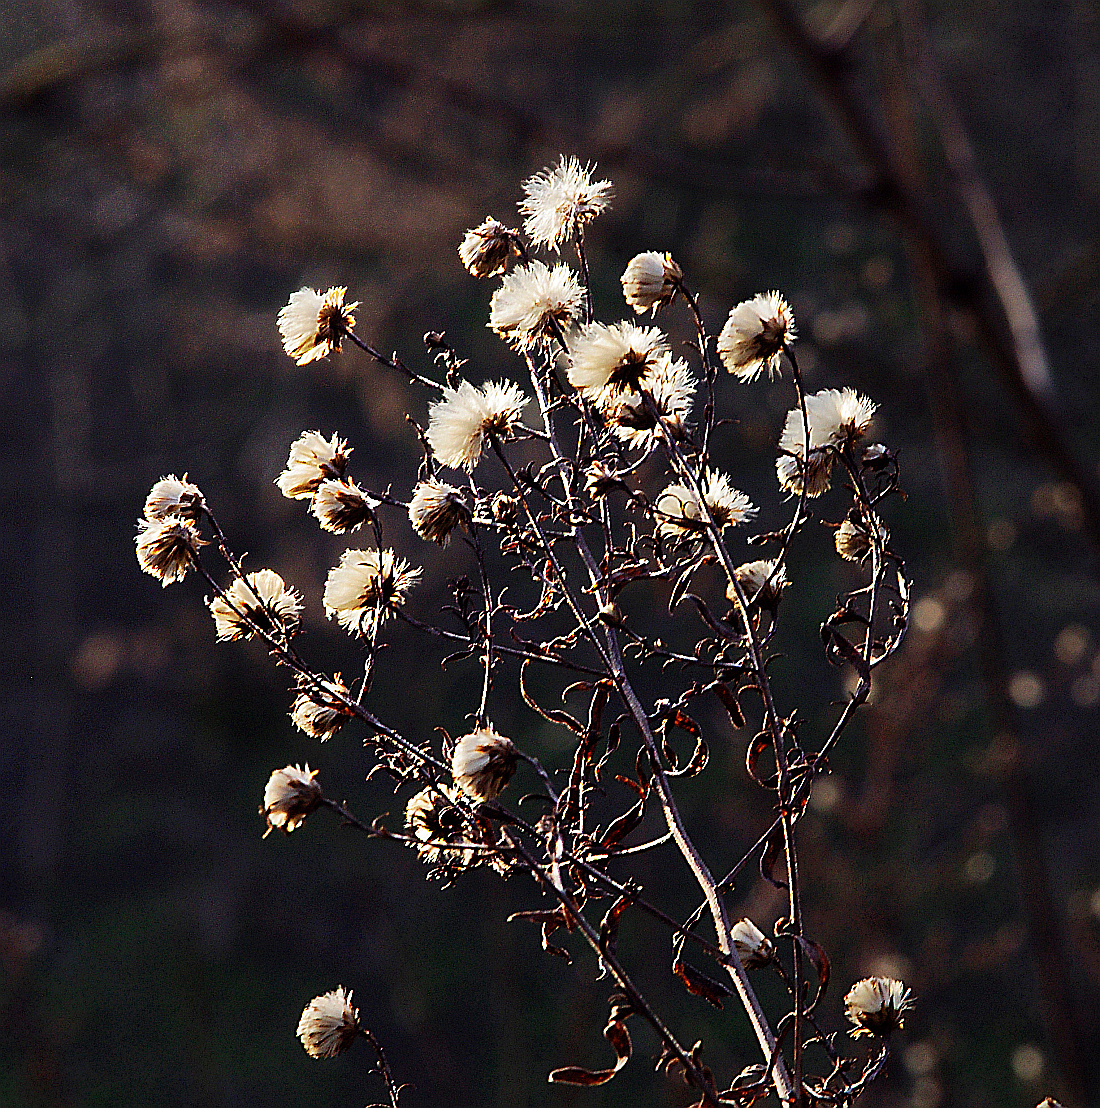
170	172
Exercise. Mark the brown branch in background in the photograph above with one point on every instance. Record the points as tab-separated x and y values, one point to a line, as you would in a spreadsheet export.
987	298
1053	973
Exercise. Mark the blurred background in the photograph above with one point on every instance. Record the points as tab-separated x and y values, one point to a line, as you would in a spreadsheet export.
924	186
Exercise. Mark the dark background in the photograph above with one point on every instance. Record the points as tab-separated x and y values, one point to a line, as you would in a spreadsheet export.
171	171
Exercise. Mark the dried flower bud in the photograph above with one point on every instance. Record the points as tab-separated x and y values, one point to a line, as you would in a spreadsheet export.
761	582
876	1005
486	248
651	281
600	479
318	711
291	794
172	497
165	548
313	459
753	947
260	600
313	325
329	1024
853	537
505	510
341	506
483	763
436	510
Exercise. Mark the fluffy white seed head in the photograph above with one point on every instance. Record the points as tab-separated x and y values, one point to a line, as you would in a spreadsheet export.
459	423
291	794
671	388
534	304
761	582
312	459
650	281
365	584
434	821
329	1024
483	763
341	506
608	359
559	202
436	509
681	515
753	947
836	419
313	325
754	335
165	547
261	600
173	497
876	1005
318	711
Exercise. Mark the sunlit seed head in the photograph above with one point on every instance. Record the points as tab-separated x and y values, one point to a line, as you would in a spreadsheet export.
341	506
754	336
166	548
329	1024
365	585
876	1005
261	600
535	304
290	796
486	248
312	459
319	710
173	497
436	510
558	203
651	281
459	423
608	360
483	763
312	325
753	948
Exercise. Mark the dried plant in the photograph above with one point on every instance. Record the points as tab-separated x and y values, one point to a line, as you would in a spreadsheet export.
597	479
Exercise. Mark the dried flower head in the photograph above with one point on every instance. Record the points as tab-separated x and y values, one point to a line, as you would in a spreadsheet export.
486	248
650	281
505	509
459	423
312	459
761	582
261	600
364	585
173	497
165	547
754	335
854	537
433	819
436	510
329	1024
607	360
483	763
559	202
671	388
754	949
600	479
535	304
681	513
319	710
312	325
341	506
876	1005
837	419
291	794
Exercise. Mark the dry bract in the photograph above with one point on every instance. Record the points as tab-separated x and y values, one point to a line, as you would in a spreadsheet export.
313	325
436	510
682	516
876	1005
459	423
341	506
483	763
754	335
486	248
165	548
261	600
754	949
535	304
329	1024
651	281
291	794
559	202
173	497
318	709
312	459
364	585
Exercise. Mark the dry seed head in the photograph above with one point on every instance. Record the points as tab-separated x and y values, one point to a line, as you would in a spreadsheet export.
753	947
483	763
559	202
366	583
313	325
165	548
436	510
291	795
761	582
341	506
606	360
261	599
681	513
459	423
754	335
313	459
319	712
671	388
534	304
173	497
876	1005
651	281
486	248
433	820
329	1024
